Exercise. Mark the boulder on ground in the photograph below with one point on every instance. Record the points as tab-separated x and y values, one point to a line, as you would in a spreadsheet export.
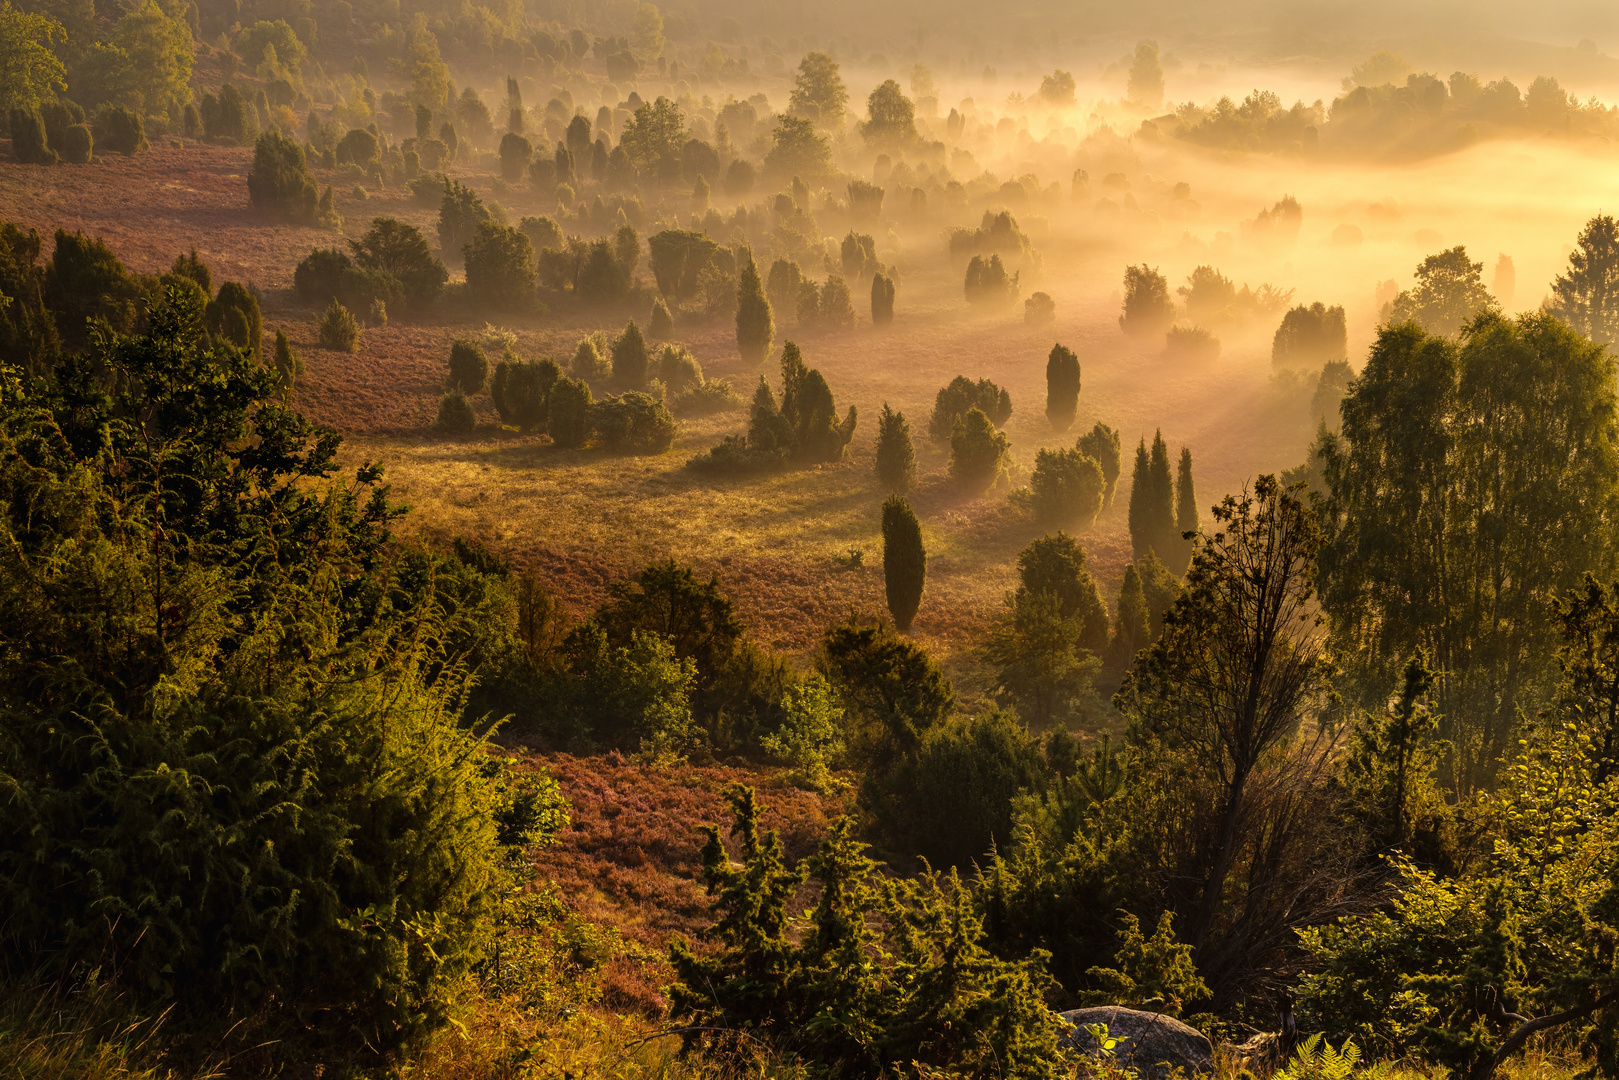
1152	1044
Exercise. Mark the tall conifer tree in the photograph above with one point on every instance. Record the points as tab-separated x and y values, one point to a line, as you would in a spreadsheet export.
896	456
755	325
1062	387
904	561
1185	512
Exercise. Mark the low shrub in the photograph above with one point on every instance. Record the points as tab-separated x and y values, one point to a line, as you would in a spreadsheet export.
120	130
633	422
455	415
1191	343
469	366
78	145
338	330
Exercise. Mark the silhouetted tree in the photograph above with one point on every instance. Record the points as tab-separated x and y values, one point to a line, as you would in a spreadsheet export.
882	300
662	324
1185	513
569	421
755	326
1148	310
1449	292
896	457
1146	86
1311	335
1587	296
1102	443
1066	488
1152	500
978	452
1055	564
818	92
1062	387
904	561
521	392
500	267
630	360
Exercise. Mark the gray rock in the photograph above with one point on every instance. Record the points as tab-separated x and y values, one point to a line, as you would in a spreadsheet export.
1152	1044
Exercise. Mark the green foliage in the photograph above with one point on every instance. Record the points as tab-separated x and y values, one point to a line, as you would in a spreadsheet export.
678	259
631	364
888	975
338	330
1042	669
1317	1060
810	737
1152	502
327	274
950	801
1505	436
1101	444
803	429
1584	296
570	410
1483	961
469	366
30	72
891	117
1186	521
1055	564
239	775
1062	387
78	146
460	213
521	392
1155	973
987	282
121	130
515	154
1448	295
28	143
85	281
28	335
891	690
1389	772
1218	702
1066	488
755	325
455	414
234	316
798	150
288	364
635	696
662	324
896	457
228	117
654	135
275	40
962	394
279	184
904	561
500	267
633	423
399	251
978	453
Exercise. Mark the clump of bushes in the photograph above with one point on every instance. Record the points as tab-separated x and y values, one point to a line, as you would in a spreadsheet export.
390	263
1067	488
280	186
987	282
338	330
1191	343
803	429
961	396
1311	336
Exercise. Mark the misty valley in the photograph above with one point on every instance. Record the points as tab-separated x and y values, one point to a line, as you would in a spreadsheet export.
645	539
